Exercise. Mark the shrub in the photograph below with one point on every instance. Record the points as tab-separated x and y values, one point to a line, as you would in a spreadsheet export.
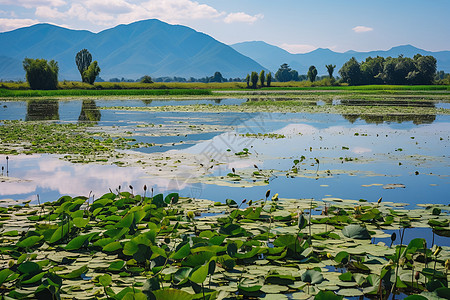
40	74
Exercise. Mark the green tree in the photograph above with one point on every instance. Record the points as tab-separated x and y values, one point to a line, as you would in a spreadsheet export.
91	73
146	79
351	72
294	75
247	79
217	77
370	69
269	79
312	73
426	67
262	77
40	74
284	73
254	79
330	69
83	60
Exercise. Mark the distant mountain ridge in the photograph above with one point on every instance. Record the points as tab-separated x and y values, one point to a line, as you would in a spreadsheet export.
149	47
272	56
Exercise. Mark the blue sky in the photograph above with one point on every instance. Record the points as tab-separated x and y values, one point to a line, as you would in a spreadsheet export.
296	25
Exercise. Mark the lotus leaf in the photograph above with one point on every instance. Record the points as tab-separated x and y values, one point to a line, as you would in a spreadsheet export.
312	277
356	232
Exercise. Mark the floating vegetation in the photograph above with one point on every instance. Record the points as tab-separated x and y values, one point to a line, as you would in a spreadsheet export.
75	140
127	246
264	135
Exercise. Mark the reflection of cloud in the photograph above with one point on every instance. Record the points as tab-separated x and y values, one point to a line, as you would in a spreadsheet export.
296	129
361	150
16	188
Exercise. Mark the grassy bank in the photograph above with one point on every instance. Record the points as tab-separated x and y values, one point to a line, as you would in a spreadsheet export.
6	93
292	85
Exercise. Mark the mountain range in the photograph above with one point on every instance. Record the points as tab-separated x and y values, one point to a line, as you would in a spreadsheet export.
148	47
272	56
158	49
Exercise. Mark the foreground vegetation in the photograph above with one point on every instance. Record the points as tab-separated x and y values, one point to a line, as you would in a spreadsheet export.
131	245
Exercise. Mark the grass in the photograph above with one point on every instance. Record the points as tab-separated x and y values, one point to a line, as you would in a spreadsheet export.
6	93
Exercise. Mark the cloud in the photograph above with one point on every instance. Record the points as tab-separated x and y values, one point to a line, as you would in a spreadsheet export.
33	3
361	29
242	17
298	48
11	24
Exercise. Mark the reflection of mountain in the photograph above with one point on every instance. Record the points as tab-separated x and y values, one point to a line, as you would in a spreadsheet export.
41	110
89	112
379	119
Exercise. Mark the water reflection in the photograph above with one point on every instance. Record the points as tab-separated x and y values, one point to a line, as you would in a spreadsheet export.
42	110
147	101
380	119
89	112
399	102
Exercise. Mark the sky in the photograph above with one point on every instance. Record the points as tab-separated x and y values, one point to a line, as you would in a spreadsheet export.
298	26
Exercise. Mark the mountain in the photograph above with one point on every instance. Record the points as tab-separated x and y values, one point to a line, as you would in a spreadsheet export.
148	47
272	56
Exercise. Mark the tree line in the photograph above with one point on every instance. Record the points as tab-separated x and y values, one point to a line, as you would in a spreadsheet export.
400	70
391	70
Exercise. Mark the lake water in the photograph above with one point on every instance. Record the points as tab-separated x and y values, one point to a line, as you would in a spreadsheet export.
403	159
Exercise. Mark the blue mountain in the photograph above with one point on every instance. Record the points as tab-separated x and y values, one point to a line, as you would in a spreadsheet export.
272	56
148	47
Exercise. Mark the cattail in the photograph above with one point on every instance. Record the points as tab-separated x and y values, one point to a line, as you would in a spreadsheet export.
250	203
267	194
256	167
417	275
234	171
243	201
145	187
393	236
131	187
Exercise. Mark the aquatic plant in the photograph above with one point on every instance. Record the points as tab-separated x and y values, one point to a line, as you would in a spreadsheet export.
124	245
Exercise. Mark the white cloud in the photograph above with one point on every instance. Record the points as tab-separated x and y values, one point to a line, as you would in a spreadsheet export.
48	12
242	18
11	24
298	48
33	3
109	6
361	29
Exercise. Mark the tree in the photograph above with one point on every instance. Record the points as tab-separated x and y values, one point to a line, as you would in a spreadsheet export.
217	77
83	60
370	69
247	79
294	75
351	72
262	77
330	69
269	79
312	73
91	73
146	79
254	79
284	73
426	67
40	74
